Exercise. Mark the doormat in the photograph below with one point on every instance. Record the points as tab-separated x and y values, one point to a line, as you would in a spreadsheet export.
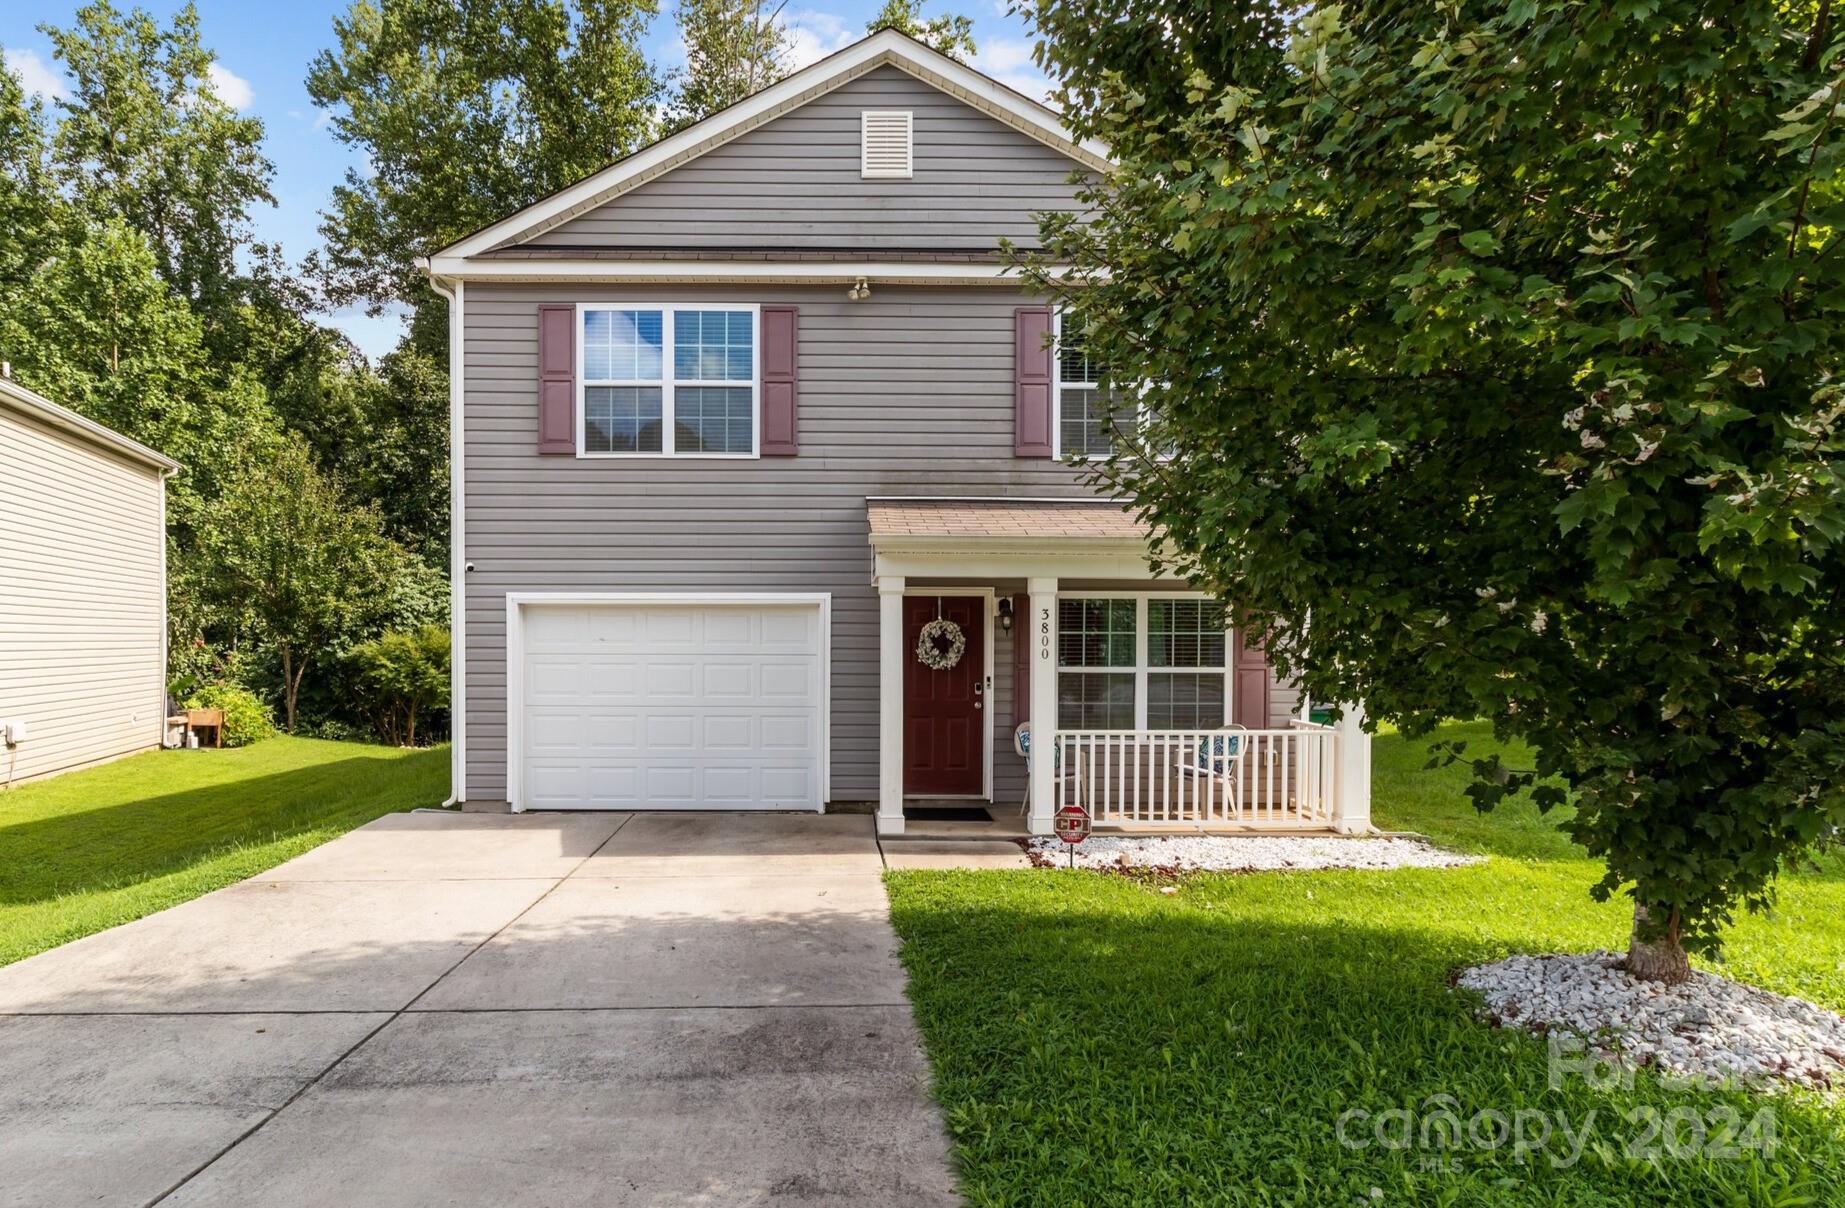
946	813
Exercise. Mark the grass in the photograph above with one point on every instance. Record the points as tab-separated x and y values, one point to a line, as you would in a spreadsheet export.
1096	1041
90	849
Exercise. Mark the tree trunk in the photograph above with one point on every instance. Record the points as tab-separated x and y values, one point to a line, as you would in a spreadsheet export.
291	685
1660	959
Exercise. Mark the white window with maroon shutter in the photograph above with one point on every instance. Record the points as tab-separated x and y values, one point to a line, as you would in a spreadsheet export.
669	380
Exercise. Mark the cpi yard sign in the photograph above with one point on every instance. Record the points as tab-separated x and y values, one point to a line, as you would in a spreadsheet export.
1071	824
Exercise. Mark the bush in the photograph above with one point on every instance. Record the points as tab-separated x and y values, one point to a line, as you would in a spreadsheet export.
332	729
246	717
404	674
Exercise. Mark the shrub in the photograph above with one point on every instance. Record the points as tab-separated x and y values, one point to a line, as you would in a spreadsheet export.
404	673
332	729
246	717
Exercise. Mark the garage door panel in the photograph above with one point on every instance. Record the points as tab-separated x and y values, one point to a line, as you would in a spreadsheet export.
551	627
669	681
729	732
791	632
670	628
671	732
787	732
611	679
550	678
788	784
673	706
784	679
619	628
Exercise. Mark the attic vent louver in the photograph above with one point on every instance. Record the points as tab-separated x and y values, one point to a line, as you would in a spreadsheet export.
885	148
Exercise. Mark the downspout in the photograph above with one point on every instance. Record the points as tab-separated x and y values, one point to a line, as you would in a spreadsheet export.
454	292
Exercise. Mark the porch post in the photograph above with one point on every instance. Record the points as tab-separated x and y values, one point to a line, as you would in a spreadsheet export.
1043	637
1352	786
890	704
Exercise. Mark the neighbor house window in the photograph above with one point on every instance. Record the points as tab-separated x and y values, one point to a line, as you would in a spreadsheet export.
669	381
1088	415
1141	662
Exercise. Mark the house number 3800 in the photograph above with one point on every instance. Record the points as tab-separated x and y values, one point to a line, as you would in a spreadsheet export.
1044	633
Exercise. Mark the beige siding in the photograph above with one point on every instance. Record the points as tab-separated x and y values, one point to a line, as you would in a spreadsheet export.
82	603
907	393
793	183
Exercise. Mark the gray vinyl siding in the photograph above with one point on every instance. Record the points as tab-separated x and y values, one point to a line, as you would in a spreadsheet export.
82	599
793	183
907	393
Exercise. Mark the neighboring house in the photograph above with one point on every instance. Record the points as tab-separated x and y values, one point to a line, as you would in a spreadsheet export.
740	415
83	591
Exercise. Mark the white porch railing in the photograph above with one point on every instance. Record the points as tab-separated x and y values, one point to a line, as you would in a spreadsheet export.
1281	778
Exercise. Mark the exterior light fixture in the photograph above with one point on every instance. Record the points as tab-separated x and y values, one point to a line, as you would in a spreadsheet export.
1005	613
860	290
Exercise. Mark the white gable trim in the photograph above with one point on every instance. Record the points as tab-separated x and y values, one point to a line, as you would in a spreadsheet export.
886	47
775	272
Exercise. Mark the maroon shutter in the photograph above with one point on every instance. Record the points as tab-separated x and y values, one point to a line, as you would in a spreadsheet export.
781	341
1021	660
557	379
1250	666
1031	336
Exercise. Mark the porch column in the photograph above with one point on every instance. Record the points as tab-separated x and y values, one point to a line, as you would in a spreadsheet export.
1351	813
1042	633
890	704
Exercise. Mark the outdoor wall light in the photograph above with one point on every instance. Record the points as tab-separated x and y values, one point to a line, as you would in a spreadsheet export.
1005	613
860	290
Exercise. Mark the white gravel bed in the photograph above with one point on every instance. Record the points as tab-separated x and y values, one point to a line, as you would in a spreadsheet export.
1242	853
1707	1028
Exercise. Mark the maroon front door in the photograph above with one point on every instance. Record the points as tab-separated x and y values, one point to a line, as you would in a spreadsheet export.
944	723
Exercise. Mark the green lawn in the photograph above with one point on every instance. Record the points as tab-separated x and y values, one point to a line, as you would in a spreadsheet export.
1098	1042
90	849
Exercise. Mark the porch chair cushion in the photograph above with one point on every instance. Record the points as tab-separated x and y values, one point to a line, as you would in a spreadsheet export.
1217	751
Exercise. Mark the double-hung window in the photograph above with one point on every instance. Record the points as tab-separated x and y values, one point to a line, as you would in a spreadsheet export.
1088	416
1146	662
668	381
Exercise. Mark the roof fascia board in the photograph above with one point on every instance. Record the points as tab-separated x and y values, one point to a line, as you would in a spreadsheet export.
786	272
43	409
884	47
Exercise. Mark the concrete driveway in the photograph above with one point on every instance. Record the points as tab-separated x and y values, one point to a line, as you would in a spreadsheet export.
452	1009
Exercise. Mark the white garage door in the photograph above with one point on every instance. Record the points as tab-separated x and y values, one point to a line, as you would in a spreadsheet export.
672	706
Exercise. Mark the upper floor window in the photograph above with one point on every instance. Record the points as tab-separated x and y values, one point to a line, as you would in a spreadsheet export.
668	381
1087	415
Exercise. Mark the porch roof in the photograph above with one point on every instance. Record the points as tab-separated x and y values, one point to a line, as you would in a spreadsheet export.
1103	520
1011	538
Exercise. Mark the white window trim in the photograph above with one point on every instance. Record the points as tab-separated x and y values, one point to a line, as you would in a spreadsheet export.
668	433
1142	666
1057	385
865	170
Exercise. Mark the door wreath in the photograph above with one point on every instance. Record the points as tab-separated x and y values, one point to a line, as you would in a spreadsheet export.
940	645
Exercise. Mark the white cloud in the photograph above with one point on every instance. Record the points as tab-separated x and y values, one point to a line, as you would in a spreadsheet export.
231	88
814	35
38	77
1008	60
1005	54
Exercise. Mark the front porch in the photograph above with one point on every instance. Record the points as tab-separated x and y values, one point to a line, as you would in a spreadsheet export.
1157	718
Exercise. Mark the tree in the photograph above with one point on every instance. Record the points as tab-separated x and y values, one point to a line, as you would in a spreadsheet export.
405	672
468	110
950	33
732	48
146	140
305	565
1497	352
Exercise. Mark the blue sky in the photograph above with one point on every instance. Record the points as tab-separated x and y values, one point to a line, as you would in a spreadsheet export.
264	50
